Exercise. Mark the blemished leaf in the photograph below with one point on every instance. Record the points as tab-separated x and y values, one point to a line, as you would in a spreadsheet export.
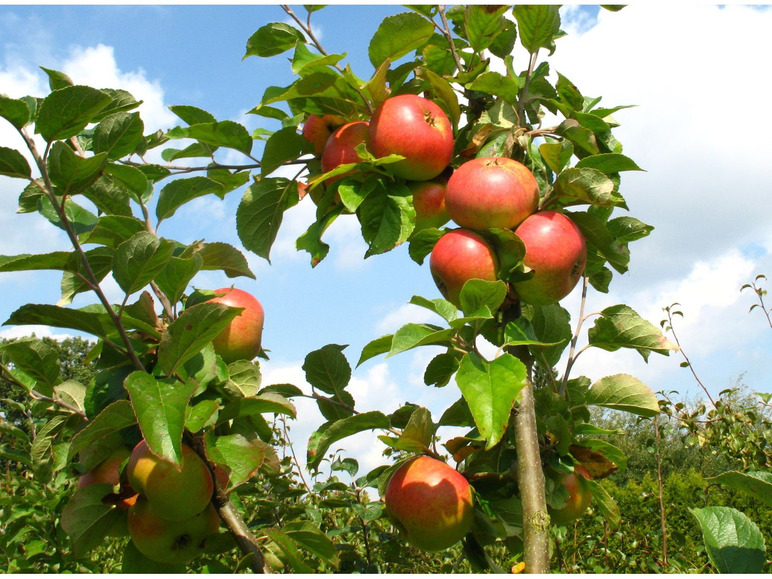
13	164
119	135
244	378
65	112
87	520
160	409
538	26
327	369
140	259
226	258
176	193
70	173
111	419
273	39
621	327
241	457
261	211
733	541
758	484
490	389
397	36
331	432
584	185
624	392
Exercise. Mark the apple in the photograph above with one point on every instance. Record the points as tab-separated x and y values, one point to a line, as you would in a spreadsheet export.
579	496
108	471
416	128
166	541
557	252
458	256
341	146
429	203
431	501
491	192
242	338
317	129
175	493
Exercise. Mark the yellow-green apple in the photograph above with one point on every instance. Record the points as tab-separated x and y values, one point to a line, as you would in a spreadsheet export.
458	256
242	338
557	252
317	129
108	471
431	501
166	541
429	203
491	192
176	493
579	497
340	148
416	128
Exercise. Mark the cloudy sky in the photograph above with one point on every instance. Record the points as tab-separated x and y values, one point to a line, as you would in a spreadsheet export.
697	75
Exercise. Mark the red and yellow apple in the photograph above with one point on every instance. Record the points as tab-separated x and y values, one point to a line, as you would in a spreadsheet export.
242	338
317	129
429	203
458	256
416	128
431	501
491	192
176	493
557	252
579	497
340	148
108	471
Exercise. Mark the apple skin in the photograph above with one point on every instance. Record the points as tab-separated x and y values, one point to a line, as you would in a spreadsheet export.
491	192
176	494
317	129
431	501
341	146
579	499
429	203
416	128
458	256
108	471
243	337
170	542
557	252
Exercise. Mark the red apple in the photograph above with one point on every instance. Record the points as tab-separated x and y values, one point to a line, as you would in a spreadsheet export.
176	493
491	192
341	146
416	128
579	496
242	338
458	256
555	249
431	501
429	203
317	129
108	471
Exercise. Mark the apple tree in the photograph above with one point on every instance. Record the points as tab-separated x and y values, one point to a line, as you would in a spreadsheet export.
454	91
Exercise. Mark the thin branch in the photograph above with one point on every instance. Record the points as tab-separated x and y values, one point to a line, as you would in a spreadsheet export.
685	357
449	37
528	76
572	354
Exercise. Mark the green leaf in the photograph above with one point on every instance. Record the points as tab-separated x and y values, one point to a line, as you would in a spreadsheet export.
483	25
309	537
179	271
609	163
481	298
87	520
240	456
140	259
15	111
418	433
413	335
758	484
734	542
50	315
375	348
65	112
112	230
584	185
539	25
229	134
399	35
290	550
176	193
624	392
100	260
119	135
305	61
621	327
557	155
57	79
273	39
327	369
112	419
13	164
269	402
261	211
57	260
69	172
387	221
605	504
331	432
226	258
132	179
284	145
160	409
192	115
490	389
35	358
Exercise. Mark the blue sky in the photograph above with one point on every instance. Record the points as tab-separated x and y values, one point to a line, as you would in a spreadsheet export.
696	74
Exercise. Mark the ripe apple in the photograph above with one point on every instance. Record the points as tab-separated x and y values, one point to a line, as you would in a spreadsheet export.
579	496
491	192
431	501
317	129
341	146
166	541
458	256
556	250
108	471
242	339
429	203
175	493
416	128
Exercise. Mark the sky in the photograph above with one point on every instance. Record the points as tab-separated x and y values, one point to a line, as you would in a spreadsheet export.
698	78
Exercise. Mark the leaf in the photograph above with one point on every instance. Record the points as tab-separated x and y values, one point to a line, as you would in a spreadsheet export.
413	335
269	402
65	112
282	146
327	369
261	211
551	325
418	433
87	520
229	134
308	536
118	135
239	455
179	271
160	409
57	317
15	111
192	115
481	298
624	392
290	550
621	327
758	484
331	432
397	36
273	39
224	257
176	193
584	185
69	172
609	163
483	25
490	389
386	220
734	543
606	505
113	418
139	260
539	25
13	164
